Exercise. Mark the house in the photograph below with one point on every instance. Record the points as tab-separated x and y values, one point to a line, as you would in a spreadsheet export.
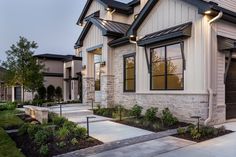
5	92
58	72
161	53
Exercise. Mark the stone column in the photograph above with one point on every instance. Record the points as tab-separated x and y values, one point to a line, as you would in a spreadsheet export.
107	89
88	90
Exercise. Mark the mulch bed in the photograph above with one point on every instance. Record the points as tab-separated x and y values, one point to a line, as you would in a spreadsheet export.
29	148
133	122
187	136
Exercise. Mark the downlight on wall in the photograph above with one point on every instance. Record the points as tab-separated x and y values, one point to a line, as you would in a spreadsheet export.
208	12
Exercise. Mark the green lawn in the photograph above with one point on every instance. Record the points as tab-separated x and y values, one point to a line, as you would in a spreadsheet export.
8	119
7	146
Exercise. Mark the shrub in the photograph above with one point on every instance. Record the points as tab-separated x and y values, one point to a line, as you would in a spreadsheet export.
62	133
150	114
80	132
181	131
195	134
136	111
58	93
23	129
50	92
41	137
119	112
168	118
44	150
59	121
42	93
69	125
32	130
8	106
157	126
61	144
74	141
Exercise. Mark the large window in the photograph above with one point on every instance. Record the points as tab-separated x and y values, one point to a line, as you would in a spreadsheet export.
167	68
97	72
129	73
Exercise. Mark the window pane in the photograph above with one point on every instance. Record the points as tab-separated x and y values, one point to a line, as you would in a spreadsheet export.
129	76
174	52
175	81
175	66
97	75
158	54
158	82
158	68
129	85
130	73
129	62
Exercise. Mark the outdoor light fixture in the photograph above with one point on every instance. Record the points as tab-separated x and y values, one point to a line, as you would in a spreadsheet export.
80	24
208	12
108	9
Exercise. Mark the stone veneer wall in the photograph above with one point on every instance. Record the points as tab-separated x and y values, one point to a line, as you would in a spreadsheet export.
88	90
183	106
120	97
107	89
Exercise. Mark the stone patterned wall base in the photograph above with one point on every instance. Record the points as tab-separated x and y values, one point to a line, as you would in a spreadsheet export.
107	89
88	90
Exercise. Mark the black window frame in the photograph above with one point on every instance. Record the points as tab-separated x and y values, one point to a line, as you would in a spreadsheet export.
181	43
124	72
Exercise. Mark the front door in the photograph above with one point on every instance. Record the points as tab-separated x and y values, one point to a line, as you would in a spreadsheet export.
17	93
230	86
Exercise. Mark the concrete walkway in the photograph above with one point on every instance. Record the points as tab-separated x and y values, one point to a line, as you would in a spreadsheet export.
101	128
147	149
107	131
224	146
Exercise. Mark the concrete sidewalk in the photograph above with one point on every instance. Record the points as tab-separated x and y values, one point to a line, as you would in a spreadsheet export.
107	131
101	128
147	149
224	146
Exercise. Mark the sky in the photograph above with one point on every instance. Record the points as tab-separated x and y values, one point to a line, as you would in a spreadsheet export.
50	23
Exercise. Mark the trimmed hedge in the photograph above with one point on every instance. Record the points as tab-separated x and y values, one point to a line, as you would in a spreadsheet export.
8	146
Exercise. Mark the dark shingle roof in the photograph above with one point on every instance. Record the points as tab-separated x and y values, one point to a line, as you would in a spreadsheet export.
180	31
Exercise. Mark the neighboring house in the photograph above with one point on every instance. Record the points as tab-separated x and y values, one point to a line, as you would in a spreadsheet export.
5	92
58	72
162	53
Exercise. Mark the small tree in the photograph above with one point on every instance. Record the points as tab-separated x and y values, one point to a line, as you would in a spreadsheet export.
58	93
42	92
50	92
22	67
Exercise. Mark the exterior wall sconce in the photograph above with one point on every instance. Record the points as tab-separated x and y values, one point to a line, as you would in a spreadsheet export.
108	9
208	12
102	69
103	63
83	71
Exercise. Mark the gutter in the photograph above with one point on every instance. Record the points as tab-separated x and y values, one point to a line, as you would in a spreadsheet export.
210	90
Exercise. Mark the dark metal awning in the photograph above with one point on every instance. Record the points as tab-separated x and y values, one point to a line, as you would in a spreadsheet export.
226	44
177	32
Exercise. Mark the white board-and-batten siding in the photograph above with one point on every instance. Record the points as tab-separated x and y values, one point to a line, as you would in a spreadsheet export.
166	14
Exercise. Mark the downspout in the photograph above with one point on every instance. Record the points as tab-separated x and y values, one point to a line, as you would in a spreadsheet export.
210	90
